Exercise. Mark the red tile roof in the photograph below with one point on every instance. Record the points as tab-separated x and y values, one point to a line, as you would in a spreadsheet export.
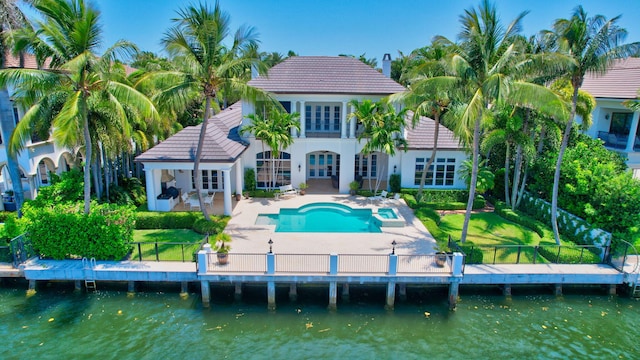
325	75
421	136
223	143
621	81
30	63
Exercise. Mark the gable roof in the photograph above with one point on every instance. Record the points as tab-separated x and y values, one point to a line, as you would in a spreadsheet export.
223	142
30	62
421	136
325	75
621	81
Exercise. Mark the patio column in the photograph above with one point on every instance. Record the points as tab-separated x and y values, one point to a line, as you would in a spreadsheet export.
294	132
239	175
632	132
151	189
352	125
226	174
343	122
303	114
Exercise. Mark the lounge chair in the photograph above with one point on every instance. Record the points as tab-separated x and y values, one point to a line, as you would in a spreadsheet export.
381	197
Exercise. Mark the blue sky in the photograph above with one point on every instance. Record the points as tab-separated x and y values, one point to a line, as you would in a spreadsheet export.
332	27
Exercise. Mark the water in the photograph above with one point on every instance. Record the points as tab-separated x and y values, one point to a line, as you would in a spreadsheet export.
321	217
156	322
387	213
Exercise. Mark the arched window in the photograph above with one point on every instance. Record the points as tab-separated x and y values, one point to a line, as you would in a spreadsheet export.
273	172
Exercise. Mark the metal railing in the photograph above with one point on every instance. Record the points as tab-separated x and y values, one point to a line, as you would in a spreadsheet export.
325	264
530	254
166	251
21	249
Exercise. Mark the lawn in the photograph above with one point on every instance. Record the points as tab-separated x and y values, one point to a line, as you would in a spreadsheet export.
165	244
490	229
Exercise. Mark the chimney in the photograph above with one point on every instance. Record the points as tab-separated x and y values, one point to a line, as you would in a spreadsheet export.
386	65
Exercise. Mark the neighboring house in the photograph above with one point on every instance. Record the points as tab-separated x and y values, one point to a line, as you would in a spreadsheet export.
326	148
40	156
614	123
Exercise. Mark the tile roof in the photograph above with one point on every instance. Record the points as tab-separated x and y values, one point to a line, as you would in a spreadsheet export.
325	75
420	137
621	81
31	63
223	142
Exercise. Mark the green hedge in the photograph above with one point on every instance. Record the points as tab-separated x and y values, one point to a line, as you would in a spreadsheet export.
568	255
518	217
64	231
411	201
262	194
440	196
473	254
147	220
427	218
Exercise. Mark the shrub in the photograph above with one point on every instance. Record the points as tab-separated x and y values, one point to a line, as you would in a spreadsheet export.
440	196
518	218
262	194
426	212
394	183
249	179
427	219
568	255
64	231
135	189
410	200
66	188
473	254
119	195
147	220
215	226
12	227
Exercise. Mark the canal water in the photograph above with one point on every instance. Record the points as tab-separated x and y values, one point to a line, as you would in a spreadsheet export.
58	323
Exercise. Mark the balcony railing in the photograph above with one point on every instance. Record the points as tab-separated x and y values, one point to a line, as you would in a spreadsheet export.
618	141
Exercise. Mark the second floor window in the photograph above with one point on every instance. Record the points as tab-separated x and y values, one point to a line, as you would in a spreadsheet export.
321	117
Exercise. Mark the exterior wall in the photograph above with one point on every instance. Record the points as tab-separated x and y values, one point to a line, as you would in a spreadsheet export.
602	116
408	165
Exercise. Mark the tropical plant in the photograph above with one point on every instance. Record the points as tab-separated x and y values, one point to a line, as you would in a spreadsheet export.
592	43
11	18
69	37
273	128
208	66
487	67
485	178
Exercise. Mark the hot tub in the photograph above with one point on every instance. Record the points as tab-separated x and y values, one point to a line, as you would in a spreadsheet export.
388	217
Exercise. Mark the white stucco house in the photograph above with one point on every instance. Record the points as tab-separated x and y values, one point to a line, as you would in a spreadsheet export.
40	156
613	122
325	150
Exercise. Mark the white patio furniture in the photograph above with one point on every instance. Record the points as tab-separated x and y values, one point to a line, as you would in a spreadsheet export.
208	201
286	190
380	197
194	202
185	200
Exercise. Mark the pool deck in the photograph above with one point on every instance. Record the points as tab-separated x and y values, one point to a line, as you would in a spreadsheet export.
411	239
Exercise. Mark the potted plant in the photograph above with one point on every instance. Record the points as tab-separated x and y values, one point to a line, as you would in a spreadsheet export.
246	194
303	187
441	258
353	187
238	196
222	250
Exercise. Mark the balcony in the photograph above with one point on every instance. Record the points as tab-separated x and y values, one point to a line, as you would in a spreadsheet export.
618	141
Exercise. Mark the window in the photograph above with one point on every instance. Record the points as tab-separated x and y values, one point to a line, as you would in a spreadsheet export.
43	173
444	170
275	171
367	165
211	180
621	123
322	117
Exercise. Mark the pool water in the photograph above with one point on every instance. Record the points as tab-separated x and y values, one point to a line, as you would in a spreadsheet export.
387	213
321	217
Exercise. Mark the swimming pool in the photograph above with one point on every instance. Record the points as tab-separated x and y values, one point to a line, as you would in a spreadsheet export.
321	217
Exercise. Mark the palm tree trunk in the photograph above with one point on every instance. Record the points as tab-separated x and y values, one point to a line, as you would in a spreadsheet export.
556	175
7	122
87	156
196	163
474	179
516	176
423	178
507	165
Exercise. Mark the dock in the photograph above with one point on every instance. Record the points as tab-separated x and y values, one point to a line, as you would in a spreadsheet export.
337	272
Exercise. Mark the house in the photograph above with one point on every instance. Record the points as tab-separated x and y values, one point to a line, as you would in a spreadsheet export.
325	150
40	156
613	122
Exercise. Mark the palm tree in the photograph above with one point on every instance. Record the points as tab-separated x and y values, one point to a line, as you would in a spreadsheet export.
69	37
592	43
487	68
382	127
208	66
11	18
273	130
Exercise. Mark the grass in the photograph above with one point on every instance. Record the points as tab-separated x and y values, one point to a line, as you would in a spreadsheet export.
169	251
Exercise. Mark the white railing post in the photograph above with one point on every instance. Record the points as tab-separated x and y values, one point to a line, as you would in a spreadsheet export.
203	258
393	264
271	263
333	264
456	266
